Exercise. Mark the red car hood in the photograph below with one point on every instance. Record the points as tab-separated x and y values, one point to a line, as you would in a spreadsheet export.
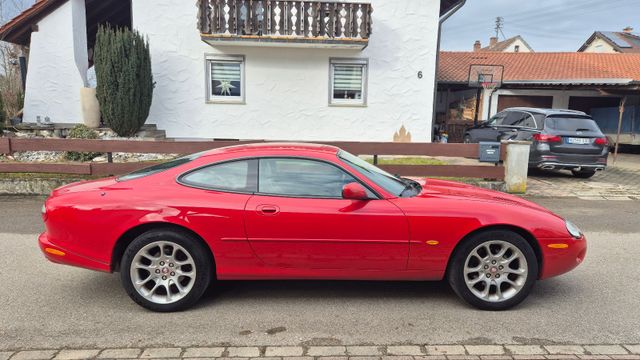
442	188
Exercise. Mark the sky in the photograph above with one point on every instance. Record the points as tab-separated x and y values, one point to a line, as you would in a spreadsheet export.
546	25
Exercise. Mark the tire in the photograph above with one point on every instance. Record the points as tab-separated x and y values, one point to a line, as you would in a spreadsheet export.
467	139
466	258
165	289
583	174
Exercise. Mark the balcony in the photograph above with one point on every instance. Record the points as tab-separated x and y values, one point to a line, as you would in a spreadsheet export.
285	23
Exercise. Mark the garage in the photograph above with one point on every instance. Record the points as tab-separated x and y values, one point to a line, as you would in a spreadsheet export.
508	101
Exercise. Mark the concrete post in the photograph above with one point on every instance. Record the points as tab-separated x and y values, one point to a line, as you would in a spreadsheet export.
516	166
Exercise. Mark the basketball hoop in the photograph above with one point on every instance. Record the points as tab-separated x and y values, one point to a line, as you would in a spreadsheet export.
491	86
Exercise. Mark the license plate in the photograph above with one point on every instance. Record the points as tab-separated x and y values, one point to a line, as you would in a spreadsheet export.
578	141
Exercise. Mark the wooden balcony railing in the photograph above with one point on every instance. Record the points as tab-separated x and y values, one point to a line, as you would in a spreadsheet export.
323	22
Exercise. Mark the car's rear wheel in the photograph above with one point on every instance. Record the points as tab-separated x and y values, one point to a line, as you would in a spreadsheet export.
493	270
583	174
165	270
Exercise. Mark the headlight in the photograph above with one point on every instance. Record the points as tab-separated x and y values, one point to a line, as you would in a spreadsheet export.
573	229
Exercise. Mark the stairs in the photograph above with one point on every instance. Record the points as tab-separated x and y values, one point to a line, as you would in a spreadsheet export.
151	131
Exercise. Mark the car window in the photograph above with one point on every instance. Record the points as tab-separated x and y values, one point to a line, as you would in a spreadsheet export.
380	177
240	176
301	178
497	119
565	123
159	167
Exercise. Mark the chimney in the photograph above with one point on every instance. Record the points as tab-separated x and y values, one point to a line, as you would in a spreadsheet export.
628	30
477	46
493	40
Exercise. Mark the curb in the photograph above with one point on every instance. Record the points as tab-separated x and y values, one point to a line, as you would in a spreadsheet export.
342	352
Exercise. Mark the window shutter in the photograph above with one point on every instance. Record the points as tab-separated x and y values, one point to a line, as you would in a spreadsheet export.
226	71
347	77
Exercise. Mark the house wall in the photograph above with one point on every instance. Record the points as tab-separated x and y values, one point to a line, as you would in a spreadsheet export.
600	46
58	64
287	88
520	43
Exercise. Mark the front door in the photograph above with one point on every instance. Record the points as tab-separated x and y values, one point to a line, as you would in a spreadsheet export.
299	220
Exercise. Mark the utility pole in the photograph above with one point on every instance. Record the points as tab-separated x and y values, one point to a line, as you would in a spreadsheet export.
499	26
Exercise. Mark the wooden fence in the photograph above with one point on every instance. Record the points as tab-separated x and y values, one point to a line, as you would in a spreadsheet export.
12	145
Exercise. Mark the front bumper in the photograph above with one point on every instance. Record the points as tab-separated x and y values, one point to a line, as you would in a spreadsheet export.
60	255
561	255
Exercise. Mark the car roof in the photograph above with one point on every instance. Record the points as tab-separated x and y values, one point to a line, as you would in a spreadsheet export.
547	111
275	146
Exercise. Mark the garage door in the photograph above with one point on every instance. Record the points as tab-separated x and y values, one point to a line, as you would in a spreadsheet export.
586	103
507	101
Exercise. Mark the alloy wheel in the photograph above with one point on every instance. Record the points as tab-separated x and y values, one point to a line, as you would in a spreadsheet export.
495	271
163	272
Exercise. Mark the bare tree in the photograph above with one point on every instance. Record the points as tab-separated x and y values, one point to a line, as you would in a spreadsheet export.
10	78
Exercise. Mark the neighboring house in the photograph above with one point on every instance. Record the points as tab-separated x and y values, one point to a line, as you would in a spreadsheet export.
579	81
514	44
625	41
250	69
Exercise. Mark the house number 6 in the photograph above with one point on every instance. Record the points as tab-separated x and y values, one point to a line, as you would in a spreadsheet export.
419	74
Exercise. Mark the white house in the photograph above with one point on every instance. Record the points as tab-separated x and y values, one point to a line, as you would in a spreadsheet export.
250	69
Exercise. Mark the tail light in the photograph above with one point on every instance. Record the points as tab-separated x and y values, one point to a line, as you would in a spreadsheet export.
602	141
547	138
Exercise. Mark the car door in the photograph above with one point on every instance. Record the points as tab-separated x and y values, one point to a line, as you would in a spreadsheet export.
488	131
298	219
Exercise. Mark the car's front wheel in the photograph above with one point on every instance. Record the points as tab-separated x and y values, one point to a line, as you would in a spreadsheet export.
165	270
493	270
467	139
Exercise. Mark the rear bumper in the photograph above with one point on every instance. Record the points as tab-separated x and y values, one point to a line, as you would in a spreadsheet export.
561	255
550	161
60	255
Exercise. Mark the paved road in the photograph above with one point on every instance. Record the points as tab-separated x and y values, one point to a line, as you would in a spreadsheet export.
50	306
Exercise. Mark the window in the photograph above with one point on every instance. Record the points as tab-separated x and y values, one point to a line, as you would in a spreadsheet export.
301	178
516	48
570	123
520	119
382	178
239	176
348	82
159	168
497	119
225	79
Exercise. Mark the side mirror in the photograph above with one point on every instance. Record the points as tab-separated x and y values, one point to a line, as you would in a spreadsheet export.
354	191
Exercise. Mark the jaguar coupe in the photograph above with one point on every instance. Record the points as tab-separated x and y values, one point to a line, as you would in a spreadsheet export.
302	211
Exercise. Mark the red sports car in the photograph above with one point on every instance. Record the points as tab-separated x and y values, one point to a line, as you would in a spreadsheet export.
302	211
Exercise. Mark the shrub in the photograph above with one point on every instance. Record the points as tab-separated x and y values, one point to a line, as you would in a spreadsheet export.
81	132
125	82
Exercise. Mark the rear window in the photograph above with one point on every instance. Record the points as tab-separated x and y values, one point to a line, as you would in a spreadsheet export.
572	124
159	168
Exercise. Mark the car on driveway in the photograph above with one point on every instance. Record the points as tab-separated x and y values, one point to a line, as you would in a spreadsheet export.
561	139
302	211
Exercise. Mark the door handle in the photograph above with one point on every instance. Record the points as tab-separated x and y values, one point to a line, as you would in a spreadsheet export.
269	210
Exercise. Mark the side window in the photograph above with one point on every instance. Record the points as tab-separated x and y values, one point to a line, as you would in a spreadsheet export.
497	119
240	176
301	178
513	118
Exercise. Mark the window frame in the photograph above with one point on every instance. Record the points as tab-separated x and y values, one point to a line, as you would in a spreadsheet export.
210	97
365	185
254	171
364	62
376	195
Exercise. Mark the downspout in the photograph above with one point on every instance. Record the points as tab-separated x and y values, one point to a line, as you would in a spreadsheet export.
443	18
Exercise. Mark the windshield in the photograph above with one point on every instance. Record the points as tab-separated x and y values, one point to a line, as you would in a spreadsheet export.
159	167
572	124
391	183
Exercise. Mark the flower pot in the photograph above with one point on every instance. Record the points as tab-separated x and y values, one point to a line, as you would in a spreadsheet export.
90	107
